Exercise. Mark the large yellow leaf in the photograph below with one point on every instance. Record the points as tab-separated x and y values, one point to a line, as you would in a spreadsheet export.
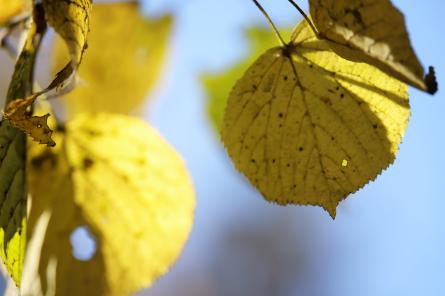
117	176
218	85
309	127
372	31
124	60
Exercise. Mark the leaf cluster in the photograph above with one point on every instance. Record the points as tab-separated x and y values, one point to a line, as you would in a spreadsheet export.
100	169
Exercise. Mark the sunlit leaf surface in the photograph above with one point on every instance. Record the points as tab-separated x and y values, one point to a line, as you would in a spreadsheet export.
115	175
309	127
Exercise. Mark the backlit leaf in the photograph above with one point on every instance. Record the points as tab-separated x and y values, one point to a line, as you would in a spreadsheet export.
124	60
115	175
309	127
71	20
372	31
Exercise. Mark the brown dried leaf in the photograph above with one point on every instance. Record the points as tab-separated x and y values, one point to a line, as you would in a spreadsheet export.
35	126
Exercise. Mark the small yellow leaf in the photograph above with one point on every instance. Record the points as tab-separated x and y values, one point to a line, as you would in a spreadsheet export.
35	126
124	60
374	32
309	127
115	175
71	20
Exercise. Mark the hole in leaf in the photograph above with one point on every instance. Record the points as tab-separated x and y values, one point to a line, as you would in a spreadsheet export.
83	243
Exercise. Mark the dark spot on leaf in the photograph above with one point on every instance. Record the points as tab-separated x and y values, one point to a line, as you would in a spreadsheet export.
375	126
342	96
92	133
300	148
285	77
87	163
332	138
252	160
280	115
273	160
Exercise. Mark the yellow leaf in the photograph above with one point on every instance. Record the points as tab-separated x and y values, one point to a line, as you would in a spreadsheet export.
309	127
218	85
372	31
117	176
12	8
124	59
71	20
35	126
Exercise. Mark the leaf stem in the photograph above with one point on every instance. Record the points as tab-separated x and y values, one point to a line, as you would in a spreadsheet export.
301	11
283	43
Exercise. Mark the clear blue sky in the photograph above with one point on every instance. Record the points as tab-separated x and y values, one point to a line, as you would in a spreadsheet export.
387	239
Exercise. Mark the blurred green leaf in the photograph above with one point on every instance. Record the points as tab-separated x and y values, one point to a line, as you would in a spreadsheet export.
218	85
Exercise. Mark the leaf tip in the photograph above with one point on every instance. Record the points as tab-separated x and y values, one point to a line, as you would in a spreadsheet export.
331	208
430	81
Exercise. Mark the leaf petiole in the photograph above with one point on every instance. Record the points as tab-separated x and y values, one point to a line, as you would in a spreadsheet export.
283	43
305	17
